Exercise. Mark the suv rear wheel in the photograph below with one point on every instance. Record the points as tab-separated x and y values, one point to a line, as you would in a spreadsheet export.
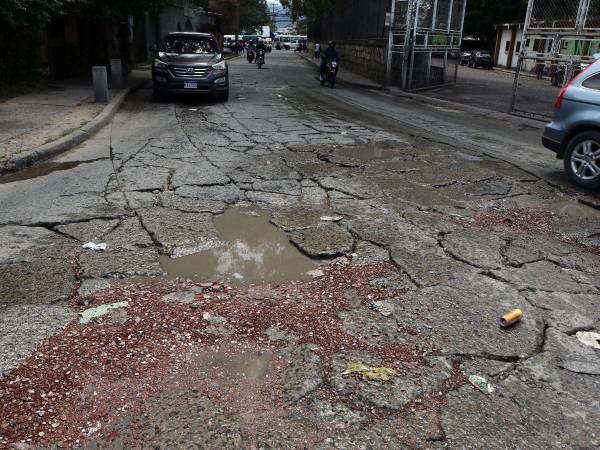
582	159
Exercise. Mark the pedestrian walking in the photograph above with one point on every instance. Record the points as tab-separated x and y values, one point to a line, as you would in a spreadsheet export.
317	50
540	70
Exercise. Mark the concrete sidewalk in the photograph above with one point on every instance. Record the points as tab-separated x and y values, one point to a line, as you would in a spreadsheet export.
46	119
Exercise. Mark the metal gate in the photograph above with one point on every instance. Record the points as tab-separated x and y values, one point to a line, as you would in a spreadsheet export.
425	35
560	38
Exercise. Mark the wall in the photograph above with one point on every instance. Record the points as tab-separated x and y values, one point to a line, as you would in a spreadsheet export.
358	27
364	57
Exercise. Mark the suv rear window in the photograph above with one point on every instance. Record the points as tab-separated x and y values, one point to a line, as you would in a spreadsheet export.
189	45
592	82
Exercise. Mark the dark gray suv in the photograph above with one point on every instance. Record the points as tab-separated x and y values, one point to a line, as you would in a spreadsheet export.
574	134
190	63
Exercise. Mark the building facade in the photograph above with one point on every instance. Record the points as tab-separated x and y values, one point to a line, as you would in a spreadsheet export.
509	39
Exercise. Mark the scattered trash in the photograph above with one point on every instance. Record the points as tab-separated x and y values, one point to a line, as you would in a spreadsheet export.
369	372
238	276
383	308
315	273
589	338
481	384
206	316
94	429
331	218
100	311
511	318
96	247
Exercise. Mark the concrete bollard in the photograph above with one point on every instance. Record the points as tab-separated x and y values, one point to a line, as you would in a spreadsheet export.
100	80
116	72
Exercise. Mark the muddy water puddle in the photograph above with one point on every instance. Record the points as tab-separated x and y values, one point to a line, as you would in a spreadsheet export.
249	365
254	251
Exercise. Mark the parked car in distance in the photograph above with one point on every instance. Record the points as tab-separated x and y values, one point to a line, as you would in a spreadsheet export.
574	133
481	59
465	57
190	63
293	45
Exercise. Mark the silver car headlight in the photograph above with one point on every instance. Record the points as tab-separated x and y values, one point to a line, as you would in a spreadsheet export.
220	66
160	65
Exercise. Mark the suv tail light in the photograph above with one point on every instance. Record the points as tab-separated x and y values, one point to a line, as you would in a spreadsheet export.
563	91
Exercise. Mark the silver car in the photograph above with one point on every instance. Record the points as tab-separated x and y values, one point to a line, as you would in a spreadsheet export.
574	134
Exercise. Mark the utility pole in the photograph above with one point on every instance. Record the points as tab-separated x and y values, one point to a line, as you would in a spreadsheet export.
237	26
390	56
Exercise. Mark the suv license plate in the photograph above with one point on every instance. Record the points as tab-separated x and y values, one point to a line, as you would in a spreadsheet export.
190	85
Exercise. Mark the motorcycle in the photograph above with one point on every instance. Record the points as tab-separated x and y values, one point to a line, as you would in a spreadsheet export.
331	70
250	56
260	58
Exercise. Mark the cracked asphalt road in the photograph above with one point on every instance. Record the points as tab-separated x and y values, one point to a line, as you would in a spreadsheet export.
437	237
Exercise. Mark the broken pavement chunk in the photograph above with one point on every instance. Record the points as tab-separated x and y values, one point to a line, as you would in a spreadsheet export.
100	311
95	247
331	218
369	372
589	338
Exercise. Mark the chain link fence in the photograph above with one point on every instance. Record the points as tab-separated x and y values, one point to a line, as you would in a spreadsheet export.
560	39
427	35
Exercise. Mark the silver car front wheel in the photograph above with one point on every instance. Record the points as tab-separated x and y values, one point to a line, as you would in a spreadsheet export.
582	159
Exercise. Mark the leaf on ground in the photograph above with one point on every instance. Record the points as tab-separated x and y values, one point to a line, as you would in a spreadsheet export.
370	372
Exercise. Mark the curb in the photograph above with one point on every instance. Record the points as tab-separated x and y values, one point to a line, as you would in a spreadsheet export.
33	156
475	110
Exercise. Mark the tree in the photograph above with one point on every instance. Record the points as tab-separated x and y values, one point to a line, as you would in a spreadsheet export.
254	14
482	15
309	8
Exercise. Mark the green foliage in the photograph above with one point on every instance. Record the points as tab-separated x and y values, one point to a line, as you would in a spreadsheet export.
253	14
309	8
20	13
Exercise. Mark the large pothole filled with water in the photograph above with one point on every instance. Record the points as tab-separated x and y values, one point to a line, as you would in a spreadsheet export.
253	251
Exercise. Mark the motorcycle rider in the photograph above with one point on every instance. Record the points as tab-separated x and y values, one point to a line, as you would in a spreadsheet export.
250	54
330	54
261	46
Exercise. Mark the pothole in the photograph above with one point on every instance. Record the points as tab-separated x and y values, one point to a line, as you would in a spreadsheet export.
370	152
254	251
39	170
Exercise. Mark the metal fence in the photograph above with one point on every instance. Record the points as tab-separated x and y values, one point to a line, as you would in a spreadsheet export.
422	36
560	38
425	36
